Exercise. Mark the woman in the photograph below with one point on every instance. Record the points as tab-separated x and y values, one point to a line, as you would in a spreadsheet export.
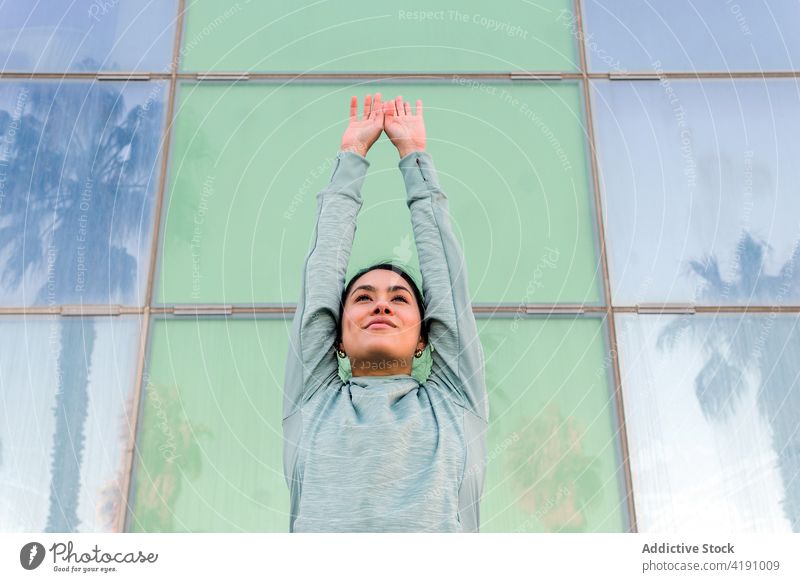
382	452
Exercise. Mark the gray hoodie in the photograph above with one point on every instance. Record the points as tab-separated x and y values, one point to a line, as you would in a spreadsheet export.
385	453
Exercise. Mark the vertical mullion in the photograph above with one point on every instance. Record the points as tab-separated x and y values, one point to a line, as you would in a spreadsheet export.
612	331
122	517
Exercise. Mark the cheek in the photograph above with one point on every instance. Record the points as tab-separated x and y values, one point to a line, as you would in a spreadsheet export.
411	318
352	316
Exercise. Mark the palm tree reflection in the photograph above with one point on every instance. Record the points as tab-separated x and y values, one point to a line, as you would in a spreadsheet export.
735	346
170	455
77	190
554	479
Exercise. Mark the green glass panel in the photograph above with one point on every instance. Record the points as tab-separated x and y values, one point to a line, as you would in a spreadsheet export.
467	35
554	463
210	438
249	159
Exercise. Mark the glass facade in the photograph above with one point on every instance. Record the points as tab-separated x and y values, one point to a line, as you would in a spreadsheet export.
210	436
700	190
712	403
685	35
554	459
632	244
80	174
236	187
87	35
66	387
443	36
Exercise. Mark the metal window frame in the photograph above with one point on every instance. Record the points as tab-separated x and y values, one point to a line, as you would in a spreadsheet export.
282	311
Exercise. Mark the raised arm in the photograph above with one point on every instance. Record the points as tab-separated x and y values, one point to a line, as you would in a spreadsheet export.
311	362
458	358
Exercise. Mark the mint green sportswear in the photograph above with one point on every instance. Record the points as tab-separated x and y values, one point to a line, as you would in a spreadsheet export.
385	453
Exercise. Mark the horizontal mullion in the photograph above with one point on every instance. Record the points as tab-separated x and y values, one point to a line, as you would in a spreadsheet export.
656	75
670	308
216	76
69	310
98	76
239	76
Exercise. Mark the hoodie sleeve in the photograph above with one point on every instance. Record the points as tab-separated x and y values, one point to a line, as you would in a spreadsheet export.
458	359
311	363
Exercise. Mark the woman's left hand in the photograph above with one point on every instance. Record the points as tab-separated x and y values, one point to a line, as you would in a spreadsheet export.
406	129
362	133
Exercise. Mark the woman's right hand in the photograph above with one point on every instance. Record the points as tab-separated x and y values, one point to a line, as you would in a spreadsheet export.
361	134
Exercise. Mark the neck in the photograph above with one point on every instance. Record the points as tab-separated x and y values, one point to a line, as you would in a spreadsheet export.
380	367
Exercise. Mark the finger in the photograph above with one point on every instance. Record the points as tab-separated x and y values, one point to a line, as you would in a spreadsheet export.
388	108
377	107
398	105
419	107
353	108
367	106
407	108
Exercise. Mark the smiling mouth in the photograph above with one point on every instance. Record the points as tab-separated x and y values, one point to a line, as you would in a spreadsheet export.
380	324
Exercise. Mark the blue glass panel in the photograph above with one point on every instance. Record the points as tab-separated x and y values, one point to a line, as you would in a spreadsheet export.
79	168
712	404
65	395
687	35
87	35
699	181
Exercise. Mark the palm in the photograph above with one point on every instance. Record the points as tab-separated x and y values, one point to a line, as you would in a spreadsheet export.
362	133
365	131
404	128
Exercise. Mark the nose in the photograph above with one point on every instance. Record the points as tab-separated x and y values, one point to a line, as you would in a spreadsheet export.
383	306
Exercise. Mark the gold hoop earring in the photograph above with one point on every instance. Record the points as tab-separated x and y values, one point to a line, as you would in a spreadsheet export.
341	353
418	354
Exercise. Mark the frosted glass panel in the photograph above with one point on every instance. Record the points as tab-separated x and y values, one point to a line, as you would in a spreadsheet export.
701	190
712	406
87	35
79	170
687	35
66	388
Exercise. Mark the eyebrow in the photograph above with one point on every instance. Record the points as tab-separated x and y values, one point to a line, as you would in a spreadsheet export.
371	288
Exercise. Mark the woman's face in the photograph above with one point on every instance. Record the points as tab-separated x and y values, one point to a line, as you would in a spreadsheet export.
379	349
